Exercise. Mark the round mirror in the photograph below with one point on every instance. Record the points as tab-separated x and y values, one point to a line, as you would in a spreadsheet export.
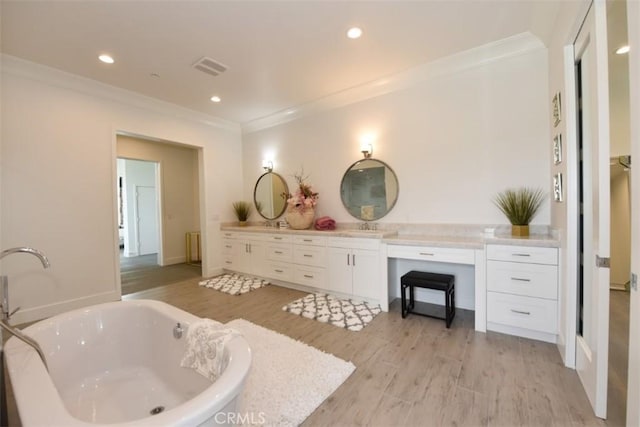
369	189
267	195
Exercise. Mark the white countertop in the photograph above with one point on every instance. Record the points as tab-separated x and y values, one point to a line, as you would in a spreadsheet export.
451	239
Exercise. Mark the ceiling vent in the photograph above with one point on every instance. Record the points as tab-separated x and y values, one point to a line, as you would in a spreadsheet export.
209	66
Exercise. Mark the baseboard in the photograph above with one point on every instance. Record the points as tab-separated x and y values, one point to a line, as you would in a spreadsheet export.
174	260
44	311
521	332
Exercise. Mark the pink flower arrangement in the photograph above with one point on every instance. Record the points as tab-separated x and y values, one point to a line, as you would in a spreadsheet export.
304	196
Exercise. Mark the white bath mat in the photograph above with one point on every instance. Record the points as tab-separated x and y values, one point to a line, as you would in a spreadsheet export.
343	313
234	283
288	379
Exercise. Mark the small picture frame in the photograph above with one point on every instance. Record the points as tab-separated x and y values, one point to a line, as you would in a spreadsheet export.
557	187
557	149
556	103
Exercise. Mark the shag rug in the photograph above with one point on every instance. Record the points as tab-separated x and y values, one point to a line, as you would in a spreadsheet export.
288	379
343	313
234	284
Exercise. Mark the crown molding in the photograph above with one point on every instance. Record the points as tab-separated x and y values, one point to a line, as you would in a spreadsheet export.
22	68
476	57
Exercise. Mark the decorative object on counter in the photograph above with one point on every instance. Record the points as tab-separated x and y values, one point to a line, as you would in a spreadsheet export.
234	283
557	149
288	379
268	195
242	210
369	189
325	223
519	205
343	313
283	224
301	204
556	105
557	187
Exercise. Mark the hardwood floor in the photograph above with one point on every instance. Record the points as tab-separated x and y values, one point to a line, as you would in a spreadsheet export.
618	357
413	371
142	272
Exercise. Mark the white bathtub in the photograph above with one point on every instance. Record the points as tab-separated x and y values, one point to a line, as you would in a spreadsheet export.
113	363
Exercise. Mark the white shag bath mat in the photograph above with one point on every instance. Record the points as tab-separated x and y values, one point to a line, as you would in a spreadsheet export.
288	379
234	284
343	313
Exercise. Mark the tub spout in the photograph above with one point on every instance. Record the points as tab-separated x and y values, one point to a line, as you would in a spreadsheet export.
43	258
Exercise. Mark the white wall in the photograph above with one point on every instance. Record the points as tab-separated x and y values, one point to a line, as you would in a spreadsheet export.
179	190
58	175
454	141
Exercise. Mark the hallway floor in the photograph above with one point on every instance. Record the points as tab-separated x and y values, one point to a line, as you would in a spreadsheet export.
618	357
142	272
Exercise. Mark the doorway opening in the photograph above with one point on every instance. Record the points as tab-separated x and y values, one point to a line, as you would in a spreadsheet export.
620	176
158	209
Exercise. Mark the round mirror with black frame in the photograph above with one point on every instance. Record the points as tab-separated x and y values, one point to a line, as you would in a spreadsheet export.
369	189
268	195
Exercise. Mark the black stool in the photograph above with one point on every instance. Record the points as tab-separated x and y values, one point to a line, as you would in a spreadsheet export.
439	282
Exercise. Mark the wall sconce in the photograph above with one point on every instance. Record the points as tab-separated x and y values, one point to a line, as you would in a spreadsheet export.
267	165
366	150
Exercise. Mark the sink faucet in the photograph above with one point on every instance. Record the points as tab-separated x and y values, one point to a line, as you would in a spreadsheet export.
4	280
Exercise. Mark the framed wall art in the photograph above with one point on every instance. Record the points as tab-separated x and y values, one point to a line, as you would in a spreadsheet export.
557	187
556	104
557	149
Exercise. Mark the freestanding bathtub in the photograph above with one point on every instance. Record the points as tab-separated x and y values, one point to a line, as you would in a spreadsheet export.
119	363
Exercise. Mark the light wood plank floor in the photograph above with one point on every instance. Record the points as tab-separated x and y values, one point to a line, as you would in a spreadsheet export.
413	371
142	272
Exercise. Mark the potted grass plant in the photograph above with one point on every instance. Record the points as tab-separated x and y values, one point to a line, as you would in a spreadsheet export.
520	205
242	210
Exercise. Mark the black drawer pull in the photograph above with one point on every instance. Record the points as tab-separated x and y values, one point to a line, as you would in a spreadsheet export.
521	312
521	254
308	276
518	279
278	252
426	253
278	238
278	271
307	256
307	240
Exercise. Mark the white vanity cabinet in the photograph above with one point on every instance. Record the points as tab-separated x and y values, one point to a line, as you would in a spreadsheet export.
309	258
522	291
354	266
244	252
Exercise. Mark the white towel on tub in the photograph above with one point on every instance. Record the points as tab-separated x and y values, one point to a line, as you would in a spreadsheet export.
204	352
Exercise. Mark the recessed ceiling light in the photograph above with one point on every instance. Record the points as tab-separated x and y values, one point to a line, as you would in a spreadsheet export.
215	98
106	59
622	50
354	33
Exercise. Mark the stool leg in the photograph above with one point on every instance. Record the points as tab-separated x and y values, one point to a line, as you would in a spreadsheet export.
447	308
412	299
403	290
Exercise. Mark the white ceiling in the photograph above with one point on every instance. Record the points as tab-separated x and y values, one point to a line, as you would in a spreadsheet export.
280	54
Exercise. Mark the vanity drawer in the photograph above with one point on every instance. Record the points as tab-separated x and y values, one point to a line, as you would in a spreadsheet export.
310	276
229	235
275	270
310	240
425	253
230	263
310	255
526	254
523	312
227	247
279	238
533	280
279	252
354	243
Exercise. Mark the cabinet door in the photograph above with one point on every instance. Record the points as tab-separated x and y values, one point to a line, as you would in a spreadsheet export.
340	271
255	258
366	277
